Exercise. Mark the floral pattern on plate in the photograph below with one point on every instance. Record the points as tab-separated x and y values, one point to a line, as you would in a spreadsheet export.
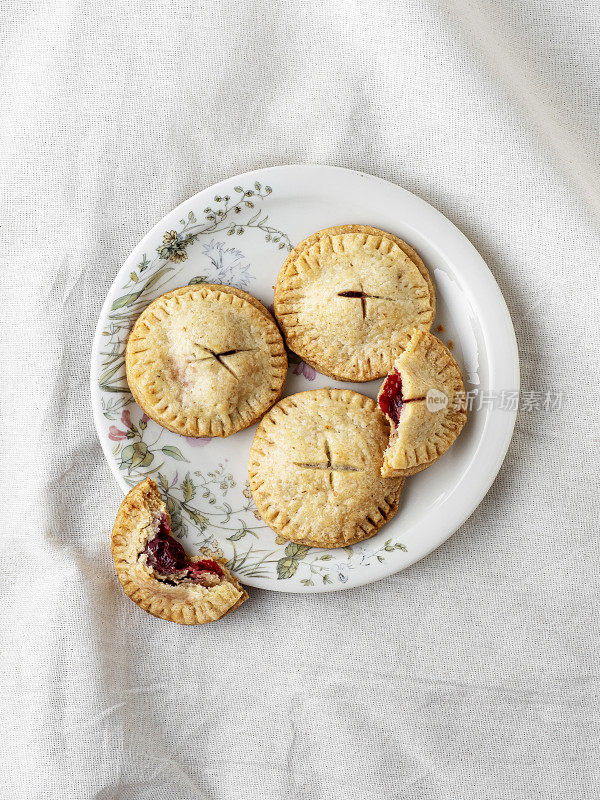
208	506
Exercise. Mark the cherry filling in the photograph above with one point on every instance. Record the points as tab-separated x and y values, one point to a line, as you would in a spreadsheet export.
167	556
390	398
206	565
352	294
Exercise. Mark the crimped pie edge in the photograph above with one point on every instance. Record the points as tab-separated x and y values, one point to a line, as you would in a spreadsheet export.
356	373
264	499
403	462
278	364
138	509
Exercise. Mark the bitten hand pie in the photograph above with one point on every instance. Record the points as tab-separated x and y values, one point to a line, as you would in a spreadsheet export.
155	571
424	400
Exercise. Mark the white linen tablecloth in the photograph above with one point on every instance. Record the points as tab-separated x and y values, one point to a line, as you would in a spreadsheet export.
473	674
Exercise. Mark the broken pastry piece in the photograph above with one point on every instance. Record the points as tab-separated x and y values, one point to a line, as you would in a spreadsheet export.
424	400
155	571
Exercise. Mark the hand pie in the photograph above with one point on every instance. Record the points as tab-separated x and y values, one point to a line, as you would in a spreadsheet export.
205	360
155	571
424	400
315	468
347	297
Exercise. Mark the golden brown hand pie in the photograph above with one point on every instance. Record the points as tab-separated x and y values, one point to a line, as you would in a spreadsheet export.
424	400
315	468
347	297
157	574
205	360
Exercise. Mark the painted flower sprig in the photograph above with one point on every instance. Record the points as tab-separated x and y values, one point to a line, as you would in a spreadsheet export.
226	215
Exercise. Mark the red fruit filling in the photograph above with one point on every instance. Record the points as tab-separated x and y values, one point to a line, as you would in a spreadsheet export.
205	565
352	294
167	556
390	398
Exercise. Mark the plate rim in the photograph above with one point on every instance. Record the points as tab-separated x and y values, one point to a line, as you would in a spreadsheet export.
502	317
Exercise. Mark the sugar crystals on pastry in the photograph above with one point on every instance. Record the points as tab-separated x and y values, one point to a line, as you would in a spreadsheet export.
205	360
347	298
315	468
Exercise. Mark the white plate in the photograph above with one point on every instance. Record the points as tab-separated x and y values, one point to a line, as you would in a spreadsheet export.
204	481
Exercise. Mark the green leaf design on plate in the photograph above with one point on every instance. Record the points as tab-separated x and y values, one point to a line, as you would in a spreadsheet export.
126	299
296	551
114	389
188	489
144	263
200	520
136	455
106	376
286	567
164	484
156	277
174	452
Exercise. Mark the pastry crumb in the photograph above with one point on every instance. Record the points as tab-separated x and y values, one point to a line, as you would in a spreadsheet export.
450	344
440	328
